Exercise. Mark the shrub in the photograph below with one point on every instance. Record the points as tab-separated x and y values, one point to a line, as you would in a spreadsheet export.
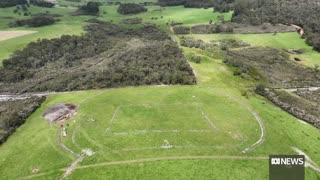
42	3
131	8
91	8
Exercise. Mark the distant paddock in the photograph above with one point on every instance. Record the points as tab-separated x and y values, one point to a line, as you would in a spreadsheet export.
5	35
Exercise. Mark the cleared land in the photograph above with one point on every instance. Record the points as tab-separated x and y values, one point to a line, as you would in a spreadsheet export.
4	35
134	146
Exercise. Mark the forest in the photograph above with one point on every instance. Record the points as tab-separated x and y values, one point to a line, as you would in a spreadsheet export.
107	56
302	13
257	12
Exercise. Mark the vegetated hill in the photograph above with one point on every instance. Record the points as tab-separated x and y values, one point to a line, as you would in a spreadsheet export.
14	113
11	3
106	56
273	69
131	8
302	13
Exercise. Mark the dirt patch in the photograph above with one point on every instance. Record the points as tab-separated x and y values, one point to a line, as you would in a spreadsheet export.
5	35
60	112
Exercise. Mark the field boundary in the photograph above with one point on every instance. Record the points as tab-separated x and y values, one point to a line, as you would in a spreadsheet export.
204	116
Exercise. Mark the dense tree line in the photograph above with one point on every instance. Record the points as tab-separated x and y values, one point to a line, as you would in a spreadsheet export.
35	21
302	13
131	8
14	113
106	56
11	3
219	5
171	2
42	3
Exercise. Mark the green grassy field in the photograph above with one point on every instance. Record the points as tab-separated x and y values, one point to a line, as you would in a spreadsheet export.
280	41
131	130
217	94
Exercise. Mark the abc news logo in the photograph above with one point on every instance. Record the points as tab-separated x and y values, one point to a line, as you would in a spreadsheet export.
283	167
287	161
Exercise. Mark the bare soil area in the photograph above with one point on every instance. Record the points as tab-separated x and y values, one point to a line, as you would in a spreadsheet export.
5	35
60	112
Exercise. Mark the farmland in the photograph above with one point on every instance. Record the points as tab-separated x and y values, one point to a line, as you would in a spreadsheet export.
210	129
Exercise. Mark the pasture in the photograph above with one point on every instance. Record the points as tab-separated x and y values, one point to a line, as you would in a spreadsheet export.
161	132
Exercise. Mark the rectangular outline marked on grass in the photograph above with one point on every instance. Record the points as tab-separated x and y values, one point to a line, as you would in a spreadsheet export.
213	129
201	112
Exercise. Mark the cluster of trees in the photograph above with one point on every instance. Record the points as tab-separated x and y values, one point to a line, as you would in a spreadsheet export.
302	13
11	3
14	113
171	2
219	5
107	56
22	9
42	3
91	8
34	21
223	5
131	8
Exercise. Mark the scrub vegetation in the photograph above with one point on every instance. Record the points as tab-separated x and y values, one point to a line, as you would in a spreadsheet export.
154	104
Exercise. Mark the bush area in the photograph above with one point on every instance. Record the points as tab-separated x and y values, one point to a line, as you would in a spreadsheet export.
11	3
181	30
91	8
303	13
224	44
35	21
273	70
297	106
171	2
42	3
132	21
131	8
220	5
212	28
14	113
310	95
273	66
107	56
